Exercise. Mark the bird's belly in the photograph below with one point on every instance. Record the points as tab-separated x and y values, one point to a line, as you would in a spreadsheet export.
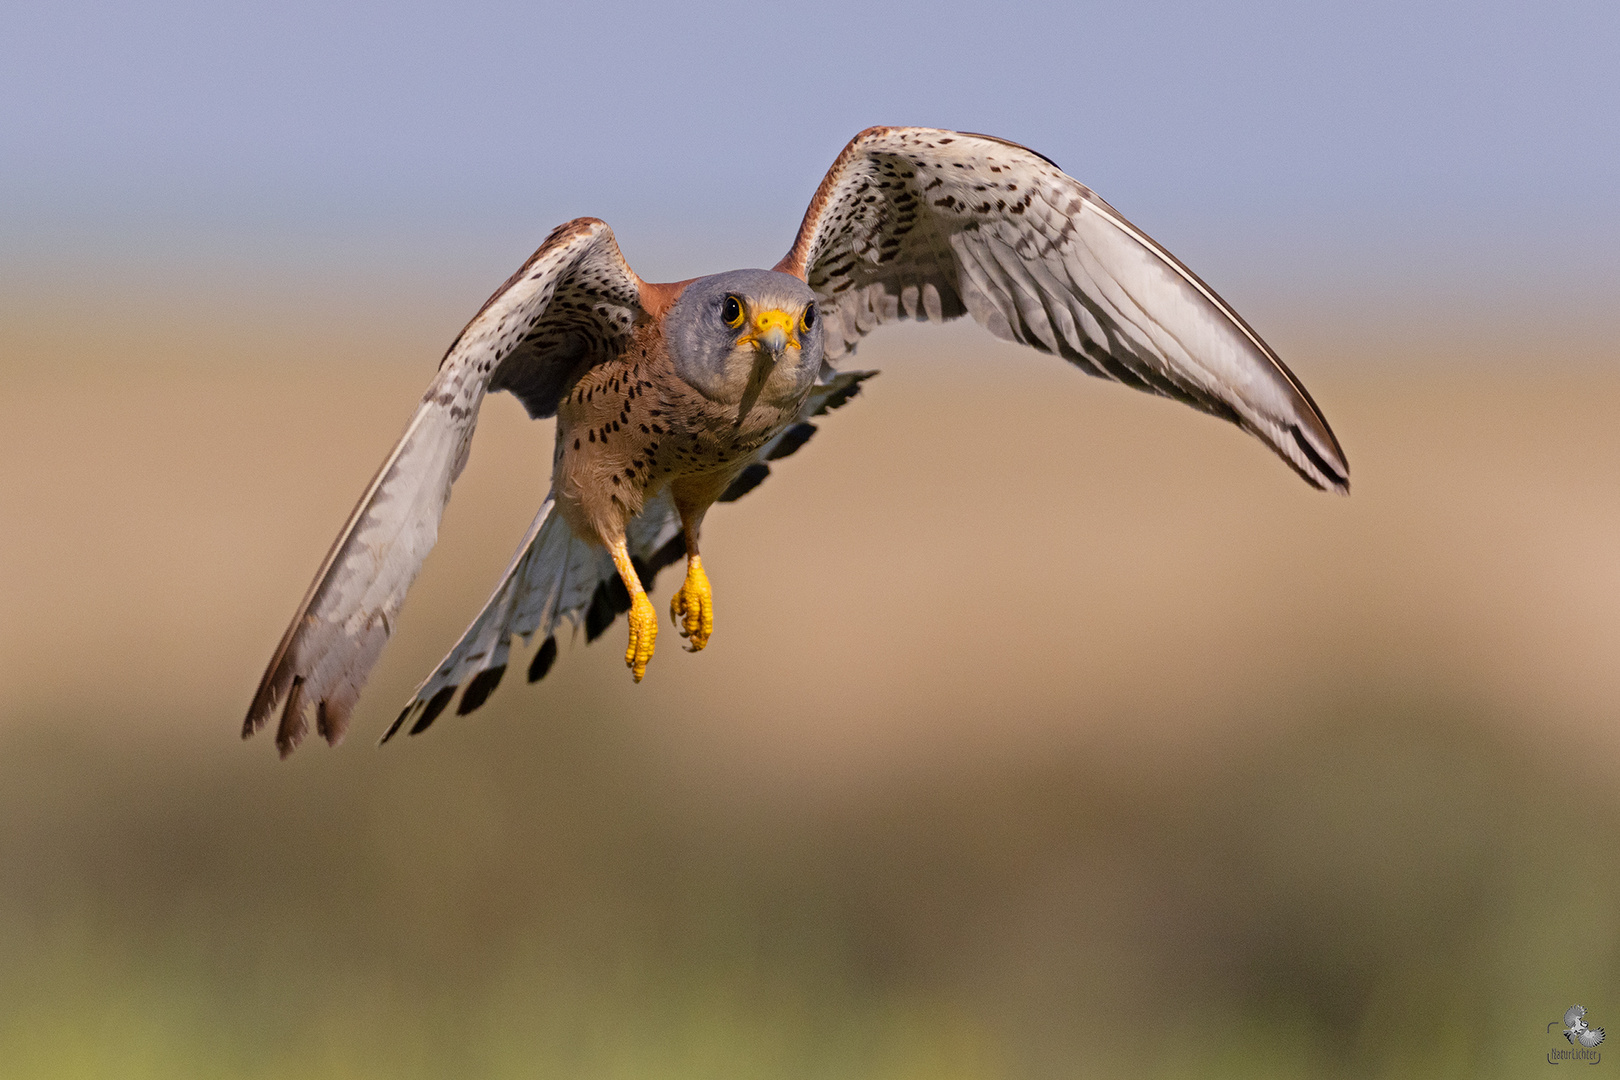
623	436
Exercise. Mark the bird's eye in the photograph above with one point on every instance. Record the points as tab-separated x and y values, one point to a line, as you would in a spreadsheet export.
731	311
808	319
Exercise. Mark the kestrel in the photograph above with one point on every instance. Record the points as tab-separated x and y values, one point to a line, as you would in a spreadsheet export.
670	397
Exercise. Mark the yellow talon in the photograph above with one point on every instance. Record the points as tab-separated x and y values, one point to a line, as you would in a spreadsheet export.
643	632
692	607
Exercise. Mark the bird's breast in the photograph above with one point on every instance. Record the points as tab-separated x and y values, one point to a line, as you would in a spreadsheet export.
630	426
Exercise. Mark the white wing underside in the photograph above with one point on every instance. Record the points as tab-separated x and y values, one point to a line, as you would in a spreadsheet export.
925	224
350	609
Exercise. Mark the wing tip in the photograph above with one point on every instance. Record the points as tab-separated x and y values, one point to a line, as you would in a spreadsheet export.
1327	470
332	720
544	657
271	689
478	691
430	712
479	688
293	726
258	715
399	721
331	714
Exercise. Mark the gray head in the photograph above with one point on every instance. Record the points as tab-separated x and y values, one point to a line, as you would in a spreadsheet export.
746	336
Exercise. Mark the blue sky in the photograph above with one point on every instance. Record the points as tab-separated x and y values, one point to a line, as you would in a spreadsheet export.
1337	141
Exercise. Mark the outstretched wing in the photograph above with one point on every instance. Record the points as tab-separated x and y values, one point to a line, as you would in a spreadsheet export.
1573	1016
1590	1036
556	577
573	303
927	224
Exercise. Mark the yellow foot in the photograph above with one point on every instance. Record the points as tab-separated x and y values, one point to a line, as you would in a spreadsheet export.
643	632
692	607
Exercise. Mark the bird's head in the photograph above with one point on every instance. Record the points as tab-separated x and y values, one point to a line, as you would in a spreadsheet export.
746	336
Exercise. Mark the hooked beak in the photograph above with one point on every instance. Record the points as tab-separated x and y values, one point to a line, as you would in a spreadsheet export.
773	333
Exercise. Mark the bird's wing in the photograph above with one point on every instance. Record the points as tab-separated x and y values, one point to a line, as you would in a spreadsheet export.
927	224
573	303
1590	1036
556	577
1573	1016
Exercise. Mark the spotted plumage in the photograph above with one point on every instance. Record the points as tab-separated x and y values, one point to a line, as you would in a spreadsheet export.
672	397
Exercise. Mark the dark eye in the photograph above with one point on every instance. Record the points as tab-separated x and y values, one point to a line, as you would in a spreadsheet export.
808	319
731	312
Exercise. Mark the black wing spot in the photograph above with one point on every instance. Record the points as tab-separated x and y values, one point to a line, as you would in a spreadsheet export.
483	684
610	600
600	615
841	397
793	438
673	551
435	706
544	657
746	481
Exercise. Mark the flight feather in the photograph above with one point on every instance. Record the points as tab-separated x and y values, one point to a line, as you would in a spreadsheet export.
572	301
926	224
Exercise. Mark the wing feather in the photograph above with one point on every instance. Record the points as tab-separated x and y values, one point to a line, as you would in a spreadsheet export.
573	302
556	578
921	223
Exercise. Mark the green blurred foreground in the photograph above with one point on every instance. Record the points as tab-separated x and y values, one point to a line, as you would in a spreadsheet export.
1108	751
1384	892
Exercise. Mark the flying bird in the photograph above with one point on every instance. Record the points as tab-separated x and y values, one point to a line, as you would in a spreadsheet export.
671	397
1576	1029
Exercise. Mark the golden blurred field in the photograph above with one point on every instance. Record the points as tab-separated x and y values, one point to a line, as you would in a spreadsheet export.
1047	730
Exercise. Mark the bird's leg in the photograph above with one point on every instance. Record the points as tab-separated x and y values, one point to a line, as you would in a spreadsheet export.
692	606
643	621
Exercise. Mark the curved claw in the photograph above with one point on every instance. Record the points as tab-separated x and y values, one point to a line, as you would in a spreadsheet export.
643	633
692	607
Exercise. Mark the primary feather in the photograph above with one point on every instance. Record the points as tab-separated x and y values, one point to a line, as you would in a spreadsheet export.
927	224
520	338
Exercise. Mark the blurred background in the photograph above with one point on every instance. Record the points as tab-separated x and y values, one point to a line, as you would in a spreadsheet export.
1121	754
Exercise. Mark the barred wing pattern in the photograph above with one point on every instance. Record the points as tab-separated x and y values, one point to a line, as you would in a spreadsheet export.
572	303
556	577
927	224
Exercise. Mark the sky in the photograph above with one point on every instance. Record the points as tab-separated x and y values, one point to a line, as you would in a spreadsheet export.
1457	147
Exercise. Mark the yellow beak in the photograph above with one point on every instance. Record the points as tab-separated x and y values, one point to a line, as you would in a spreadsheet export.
773	331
